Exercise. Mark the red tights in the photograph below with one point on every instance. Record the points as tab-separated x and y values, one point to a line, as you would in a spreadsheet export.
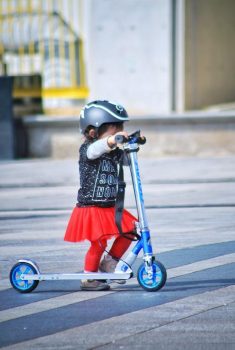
94	254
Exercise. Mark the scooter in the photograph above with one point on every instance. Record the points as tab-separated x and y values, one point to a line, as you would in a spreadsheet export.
151	275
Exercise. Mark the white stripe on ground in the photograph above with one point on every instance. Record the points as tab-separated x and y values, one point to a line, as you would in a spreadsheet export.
201	265
72	298
27	250
137	322
5	284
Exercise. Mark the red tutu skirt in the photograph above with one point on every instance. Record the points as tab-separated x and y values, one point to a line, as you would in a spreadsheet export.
93	223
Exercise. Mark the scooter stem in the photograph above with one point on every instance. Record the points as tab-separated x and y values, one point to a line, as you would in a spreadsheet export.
131	150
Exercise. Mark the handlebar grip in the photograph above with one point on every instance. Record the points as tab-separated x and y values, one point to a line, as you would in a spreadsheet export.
120	139
142	140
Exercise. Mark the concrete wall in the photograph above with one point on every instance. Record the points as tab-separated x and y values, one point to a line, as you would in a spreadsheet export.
128	45
188	134
155	56
209	52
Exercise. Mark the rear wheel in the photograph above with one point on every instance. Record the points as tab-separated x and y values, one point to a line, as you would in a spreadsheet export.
156	281
23	286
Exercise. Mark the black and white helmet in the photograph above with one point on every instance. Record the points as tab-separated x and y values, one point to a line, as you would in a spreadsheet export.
100	112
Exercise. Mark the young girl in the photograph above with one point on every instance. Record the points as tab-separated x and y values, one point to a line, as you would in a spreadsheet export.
93	218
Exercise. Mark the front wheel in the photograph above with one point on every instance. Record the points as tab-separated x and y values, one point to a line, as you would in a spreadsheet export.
23	286
156	281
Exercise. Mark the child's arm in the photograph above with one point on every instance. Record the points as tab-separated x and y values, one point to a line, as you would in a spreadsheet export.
104	145
96	149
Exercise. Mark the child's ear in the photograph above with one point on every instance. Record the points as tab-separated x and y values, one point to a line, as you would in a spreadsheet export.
92	133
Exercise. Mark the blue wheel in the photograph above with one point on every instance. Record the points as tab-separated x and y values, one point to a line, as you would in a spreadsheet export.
23	286
158	279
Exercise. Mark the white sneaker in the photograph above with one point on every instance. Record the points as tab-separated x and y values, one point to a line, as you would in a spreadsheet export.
108	264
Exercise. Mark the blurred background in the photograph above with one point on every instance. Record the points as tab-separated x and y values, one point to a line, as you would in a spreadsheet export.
170	63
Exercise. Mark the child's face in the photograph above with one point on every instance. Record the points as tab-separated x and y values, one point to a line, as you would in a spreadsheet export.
113	129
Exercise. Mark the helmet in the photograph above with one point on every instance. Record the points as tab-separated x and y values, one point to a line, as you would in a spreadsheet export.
100	112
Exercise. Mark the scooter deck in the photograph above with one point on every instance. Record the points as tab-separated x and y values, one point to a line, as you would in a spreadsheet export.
76	276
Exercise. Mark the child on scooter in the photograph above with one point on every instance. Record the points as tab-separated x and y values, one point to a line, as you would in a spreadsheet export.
93	218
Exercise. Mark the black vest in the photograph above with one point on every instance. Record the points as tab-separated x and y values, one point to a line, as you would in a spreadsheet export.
98	178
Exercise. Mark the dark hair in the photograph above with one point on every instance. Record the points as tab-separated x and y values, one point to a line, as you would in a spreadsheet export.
100	131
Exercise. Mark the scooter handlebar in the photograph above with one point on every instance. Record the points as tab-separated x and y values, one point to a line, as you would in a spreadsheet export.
135	139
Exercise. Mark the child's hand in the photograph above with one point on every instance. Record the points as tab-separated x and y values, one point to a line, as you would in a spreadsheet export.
111	139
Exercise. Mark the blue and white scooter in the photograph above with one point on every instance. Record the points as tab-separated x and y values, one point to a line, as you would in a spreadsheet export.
25	275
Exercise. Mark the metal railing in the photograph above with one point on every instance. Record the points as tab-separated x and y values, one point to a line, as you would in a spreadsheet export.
43	38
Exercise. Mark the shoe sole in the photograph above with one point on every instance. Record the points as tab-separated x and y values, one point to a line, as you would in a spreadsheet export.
96	288
119	281
116	281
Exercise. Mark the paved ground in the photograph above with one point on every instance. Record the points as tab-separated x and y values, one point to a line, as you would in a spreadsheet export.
191	209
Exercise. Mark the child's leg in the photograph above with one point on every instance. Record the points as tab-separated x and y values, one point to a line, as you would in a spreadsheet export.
119	247
93	255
